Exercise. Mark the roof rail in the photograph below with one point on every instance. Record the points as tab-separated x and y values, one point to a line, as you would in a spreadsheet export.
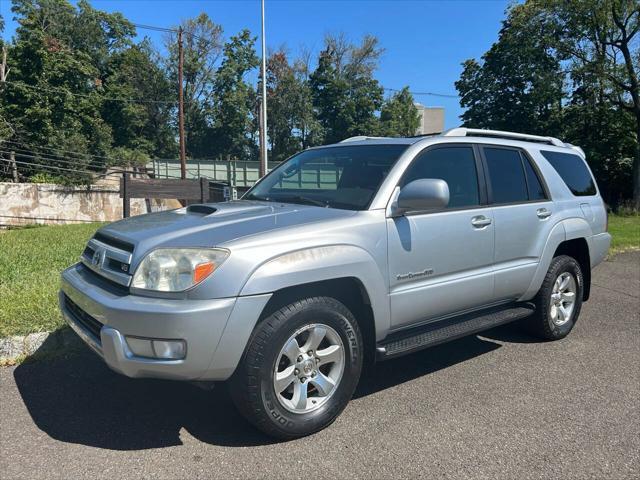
479	132
359	138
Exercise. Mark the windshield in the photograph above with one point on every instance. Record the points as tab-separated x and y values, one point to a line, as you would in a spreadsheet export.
338	177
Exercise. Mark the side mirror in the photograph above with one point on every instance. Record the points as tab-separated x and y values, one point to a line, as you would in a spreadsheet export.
421	195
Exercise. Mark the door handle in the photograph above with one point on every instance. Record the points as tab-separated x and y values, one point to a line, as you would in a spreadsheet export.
543	213
480	221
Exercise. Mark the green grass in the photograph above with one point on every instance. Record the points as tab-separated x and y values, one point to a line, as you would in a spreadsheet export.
625	231
31	260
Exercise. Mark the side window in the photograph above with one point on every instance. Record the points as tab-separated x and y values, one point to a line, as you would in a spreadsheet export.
506	175
454	165
573	171
536	192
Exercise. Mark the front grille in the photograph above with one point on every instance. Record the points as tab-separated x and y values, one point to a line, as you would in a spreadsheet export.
83	318
109	260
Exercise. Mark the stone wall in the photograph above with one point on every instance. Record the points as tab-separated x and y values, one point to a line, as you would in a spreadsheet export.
28	203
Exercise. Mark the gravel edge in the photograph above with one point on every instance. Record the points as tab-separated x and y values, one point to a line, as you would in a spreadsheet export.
16	348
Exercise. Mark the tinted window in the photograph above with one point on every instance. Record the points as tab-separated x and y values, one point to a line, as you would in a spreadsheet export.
573	171
536	192
340	177
506	175
454	165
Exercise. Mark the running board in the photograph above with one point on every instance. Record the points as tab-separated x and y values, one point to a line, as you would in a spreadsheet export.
431	334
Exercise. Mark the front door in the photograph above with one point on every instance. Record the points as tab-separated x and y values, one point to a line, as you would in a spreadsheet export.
440	263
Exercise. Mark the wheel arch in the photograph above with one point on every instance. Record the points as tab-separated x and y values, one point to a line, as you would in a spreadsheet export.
578	248
350	291
568	237
346	272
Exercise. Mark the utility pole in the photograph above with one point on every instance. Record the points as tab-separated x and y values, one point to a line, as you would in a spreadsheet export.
263	105
183	160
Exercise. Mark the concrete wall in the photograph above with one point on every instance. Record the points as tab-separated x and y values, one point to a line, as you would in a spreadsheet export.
27	203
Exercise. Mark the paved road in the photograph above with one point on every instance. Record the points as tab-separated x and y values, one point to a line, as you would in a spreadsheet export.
497	406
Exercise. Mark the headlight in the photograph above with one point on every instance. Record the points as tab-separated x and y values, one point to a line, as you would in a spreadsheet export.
177	269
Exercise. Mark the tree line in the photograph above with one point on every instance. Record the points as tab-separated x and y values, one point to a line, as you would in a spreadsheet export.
566	68
83	92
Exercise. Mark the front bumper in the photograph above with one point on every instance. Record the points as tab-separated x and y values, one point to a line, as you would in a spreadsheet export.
103	317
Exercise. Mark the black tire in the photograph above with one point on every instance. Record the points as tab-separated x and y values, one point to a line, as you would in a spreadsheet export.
542	323
252	386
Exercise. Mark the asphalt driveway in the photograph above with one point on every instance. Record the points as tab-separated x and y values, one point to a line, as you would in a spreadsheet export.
500	405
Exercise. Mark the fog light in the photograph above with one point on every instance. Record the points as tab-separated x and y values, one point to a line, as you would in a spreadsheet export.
170	349
140	347
161	349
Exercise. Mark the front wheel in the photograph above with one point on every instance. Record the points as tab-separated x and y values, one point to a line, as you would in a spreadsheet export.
300	369
559	300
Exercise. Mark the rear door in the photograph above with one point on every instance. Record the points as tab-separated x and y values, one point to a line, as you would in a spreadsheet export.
523	216
440	263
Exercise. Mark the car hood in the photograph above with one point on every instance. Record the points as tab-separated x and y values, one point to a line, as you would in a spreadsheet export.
214	224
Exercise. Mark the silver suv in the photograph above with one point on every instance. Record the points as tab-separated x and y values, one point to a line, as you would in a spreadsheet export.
367	249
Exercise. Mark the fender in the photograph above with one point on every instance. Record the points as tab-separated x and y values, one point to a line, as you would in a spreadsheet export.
325	263
576	227
566	229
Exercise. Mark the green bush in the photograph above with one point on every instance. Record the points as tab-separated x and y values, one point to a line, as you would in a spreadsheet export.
46	178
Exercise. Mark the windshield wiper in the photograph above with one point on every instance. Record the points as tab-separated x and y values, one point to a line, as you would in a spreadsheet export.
303	199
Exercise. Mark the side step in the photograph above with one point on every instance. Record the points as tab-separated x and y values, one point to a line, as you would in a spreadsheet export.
429	335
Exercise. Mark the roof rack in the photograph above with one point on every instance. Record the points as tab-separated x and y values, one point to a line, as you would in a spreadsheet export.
359	138
478	132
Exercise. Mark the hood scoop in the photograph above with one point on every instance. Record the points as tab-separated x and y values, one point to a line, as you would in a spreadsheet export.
201	209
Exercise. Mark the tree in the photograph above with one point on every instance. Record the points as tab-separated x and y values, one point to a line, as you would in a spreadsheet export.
518	85
291	124
53	98
202	49
345	94
399	116
80	87
143	126
600	38
233	99
559	68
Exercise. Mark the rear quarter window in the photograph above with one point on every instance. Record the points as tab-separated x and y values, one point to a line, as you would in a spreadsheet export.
573	170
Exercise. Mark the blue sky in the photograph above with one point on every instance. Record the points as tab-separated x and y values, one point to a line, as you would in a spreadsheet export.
424	41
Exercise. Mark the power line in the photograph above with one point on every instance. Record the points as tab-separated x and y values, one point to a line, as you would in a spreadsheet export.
56	149
184	32
56	158
86	95
169	30
116	170
443	95
46	167
33	149
155	28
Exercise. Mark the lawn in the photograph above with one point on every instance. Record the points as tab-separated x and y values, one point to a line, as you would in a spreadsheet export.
31	260
625	231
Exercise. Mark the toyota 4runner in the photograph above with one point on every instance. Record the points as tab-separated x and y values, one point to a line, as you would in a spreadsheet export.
369	248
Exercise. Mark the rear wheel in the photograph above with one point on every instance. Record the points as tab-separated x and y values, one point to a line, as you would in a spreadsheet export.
301	368
559	300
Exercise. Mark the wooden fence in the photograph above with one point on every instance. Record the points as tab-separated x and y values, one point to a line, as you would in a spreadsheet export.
201	190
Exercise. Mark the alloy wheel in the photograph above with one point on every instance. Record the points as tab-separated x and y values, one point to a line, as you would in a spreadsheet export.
309	368
563	298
